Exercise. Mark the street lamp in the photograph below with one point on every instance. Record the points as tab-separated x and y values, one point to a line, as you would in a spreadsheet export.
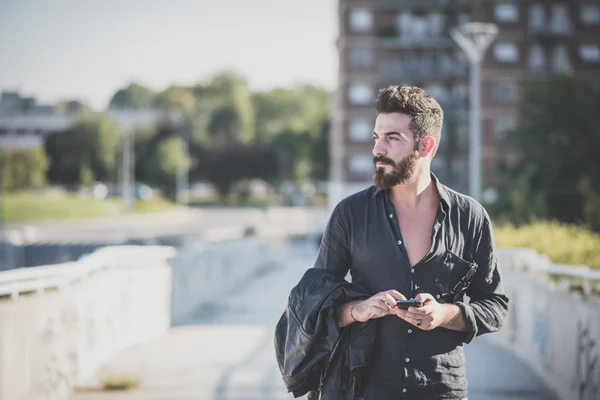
474	38
182	167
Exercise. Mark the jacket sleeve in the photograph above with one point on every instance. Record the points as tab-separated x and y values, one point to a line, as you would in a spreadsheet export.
334	252
488	305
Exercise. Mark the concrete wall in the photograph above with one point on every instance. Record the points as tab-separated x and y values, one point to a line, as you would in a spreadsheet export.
552	329
53	341
201	275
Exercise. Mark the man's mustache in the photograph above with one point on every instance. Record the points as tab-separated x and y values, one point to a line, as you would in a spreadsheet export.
383	160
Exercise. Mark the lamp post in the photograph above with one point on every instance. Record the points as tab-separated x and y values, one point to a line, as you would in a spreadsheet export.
474	38
182	168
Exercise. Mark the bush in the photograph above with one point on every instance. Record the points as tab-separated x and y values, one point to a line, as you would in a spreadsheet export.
562	243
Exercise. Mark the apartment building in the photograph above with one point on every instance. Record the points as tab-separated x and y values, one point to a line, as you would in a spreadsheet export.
383	42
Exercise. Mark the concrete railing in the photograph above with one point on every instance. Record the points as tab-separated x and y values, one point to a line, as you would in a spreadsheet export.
60	323
554	322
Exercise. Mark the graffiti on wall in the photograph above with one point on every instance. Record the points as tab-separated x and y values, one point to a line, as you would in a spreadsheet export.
513	320
587	371
541	336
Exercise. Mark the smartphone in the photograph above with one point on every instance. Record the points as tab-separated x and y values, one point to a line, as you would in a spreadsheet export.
404	304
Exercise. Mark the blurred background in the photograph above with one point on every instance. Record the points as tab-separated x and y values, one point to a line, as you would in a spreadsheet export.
167	170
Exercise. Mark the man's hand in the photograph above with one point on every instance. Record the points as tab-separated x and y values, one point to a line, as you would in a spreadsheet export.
377	306
429	316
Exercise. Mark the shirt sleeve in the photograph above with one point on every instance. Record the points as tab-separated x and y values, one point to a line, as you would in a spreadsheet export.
488	305
334	252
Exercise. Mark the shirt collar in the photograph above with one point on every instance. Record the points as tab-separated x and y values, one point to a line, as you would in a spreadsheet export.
441	188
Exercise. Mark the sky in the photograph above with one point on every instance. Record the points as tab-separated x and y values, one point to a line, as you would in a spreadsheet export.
87	49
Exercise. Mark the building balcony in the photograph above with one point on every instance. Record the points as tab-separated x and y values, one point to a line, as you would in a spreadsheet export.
428	5
408	42
550	33
432	73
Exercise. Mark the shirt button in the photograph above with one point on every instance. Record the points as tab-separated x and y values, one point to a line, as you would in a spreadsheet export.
412	270
407	359
404	390
399	241
410	331
391	215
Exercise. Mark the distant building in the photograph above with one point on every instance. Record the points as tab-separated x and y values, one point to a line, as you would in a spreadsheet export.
383	42
25	124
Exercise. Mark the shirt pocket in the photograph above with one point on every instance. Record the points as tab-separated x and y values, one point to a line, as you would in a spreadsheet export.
454	278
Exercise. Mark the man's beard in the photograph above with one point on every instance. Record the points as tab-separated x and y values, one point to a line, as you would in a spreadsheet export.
401	172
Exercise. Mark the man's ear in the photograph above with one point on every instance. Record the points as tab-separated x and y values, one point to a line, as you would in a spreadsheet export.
427	145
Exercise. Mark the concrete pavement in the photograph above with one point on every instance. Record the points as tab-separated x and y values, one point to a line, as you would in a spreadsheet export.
226	351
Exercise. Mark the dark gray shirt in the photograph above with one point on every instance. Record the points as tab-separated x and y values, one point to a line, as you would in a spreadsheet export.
363	237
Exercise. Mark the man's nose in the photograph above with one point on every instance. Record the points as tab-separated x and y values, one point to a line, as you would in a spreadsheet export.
379	149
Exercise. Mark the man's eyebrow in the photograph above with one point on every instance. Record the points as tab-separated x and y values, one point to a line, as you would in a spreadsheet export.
390	133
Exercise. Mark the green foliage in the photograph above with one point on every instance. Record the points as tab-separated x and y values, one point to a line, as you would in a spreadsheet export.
300	109
87	151
176	97
557	139
562	243
169	152
22	169
230	164
232	134
23	207
133	96
225	111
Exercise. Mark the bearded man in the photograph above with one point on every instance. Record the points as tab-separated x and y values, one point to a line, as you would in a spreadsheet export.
406	237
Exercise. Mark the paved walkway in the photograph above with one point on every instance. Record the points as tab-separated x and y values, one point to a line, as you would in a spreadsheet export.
226	353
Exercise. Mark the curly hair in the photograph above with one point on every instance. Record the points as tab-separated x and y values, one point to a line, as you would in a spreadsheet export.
426	113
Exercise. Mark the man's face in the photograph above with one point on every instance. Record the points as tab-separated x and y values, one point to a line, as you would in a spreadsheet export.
394	152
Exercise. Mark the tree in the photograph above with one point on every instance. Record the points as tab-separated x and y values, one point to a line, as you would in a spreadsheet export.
169	152
133	96
298	109
557	140
229	164
23	169
176	97
87	151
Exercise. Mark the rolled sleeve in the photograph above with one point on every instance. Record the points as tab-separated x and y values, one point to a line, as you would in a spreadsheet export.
488	303
334	252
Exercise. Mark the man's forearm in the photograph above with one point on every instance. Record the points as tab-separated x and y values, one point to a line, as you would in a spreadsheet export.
455	320
344	314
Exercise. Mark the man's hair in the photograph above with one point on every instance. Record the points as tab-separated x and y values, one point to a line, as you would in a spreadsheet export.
425	112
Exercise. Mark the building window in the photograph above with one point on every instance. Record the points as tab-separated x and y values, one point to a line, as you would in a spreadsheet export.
503	125
505	91
361	164
360	93
537	59
560	59
436	24
589	52
361	20
536	17
560	19
427	64
440	94
416	27
463	19
590	13
506	52
403	24
506	12
361	56
360	129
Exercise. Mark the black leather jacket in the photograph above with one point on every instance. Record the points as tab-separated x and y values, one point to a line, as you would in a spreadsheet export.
314	355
